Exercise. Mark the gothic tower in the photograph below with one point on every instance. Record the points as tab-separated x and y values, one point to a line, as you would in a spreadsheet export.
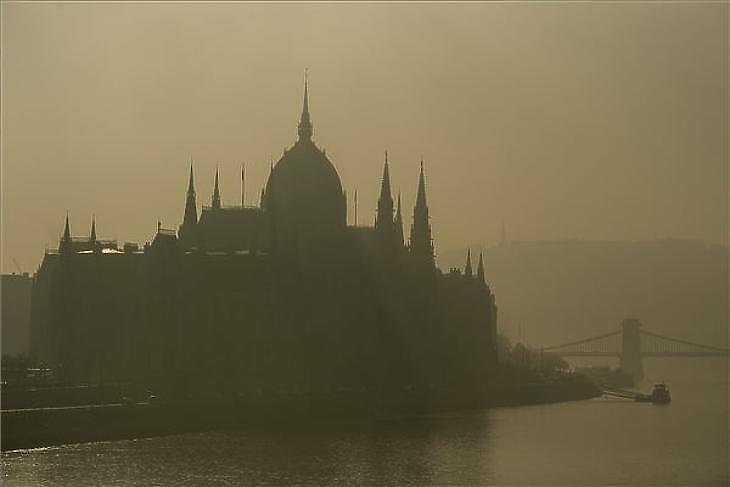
384	224
190	218
421	243
65	243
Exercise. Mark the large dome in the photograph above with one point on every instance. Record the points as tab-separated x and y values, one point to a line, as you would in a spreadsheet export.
304	192
304	186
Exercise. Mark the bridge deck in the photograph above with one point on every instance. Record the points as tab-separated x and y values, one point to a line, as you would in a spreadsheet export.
645	354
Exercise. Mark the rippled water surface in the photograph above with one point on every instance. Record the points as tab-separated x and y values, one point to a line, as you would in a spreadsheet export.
596	442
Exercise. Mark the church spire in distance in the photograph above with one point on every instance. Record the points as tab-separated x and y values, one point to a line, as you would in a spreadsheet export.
305	124
468	272
216	202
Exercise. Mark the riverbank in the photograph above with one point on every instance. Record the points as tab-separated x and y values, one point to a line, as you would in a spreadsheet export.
47	426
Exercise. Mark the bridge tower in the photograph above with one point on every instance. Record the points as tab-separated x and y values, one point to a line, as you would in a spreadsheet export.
631	362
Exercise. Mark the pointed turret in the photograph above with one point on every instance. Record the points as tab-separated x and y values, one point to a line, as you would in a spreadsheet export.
421	245
216	201
384	215
191	210
468	272
398	224
187	231
67	230
191	183
421	196
92	234
305	129
480	269
65	243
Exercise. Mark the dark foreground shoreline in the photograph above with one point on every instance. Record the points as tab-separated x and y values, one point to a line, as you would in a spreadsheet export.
49	426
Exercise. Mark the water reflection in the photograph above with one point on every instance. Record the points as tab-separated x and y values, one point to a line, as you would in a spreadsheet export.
597	442
439	450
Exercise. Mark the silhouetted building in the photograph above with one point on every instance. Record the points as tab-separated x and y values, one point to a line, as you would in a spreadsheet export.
280	298
15	319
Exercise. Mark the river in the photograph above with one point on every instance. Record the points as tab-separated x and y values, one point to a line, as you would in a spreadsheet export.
594	442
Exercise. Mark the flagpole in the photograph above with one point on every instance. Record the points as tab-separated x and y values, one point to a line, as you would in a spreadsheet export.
243	184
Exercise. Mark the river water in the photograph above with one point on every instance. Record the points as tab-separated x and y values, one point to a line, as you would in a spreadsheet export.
594	442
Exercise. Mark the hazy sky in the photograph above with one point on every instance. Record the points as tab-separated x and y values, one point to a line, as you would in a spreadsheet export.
594	120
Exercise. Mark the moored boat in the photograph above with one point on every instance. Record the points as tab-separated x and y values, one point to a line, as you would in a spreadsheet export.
660	394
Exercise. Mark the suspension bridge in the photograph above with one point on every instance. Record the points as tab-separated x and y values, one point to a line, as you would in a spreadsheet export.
631	344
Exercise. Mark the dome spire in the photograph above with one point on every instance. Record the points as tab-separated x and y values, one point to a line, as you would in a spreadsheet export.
305	124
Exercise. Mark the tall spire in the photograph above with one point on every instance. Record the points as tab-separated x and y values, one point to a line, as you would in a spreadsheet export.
65	243
92	235
399	224
480	268
187	231
384	214
216	202
421	245
66	230
305	124
191	185
421	196
468	272
191	210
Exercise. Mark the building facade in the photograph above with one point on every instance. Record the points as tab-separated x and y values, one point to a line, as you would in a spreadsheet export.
281	298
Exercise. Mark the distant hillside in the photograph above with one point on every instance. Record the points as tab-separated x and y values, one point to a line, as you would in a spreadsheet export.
555	291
